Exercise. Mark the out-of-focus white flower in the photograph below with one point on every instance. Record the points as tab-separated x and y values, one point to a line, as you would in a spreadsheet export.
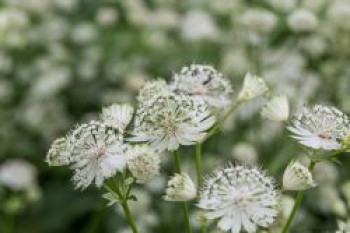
326	173
297	177
314	45
343	227
302	20
169	120
97	153
241	197
245	153
117	116
143	163
276	109
164	19
107	16
84	33
339	14
180	188
18	175
204	82
253	87
261	21
287	204
320	127
198	25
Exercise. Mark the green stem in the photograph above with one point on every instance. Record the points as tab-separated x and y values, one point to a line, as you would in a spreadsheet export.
128	215
123	202
199	169
186	216
297	203
222	120
9	224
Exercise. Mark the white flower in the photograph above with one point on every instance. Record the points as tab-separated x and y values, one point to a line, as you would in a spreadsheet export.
241	197
18	175
276	109
297	177
262	21
97	153
169	120
180	188
253	86
118	116
198	25
204	82
143	163
58	153
302	20
320	127
343	227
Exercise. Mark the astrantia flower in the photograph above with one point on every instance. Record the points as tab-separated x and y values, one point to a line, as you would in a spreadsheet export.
168	121
297	177
58	153
118	116
276	109
97	153
320	127
241	197
253	86
205	82
180	188
143	163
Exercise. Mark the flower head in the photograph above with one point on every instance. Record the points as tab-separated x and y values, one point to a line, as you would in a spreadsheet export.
241	197
204	82
152	89
143	163
118	116
167	121
253	86
97	153
297	177
180	188
276	109
18	175
320	127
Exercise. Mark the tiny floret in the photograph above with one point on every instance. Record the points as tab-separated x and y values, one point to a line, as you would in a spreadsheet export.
167	121
276	109
320	127
180	188
97	153
58	154
297	177
205	82
143	163
241	198
253	86
118	116
152	89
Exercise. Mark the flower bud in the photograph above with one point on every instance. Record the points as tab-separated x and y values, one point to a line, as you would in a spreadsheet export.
276	109
253	86
297	177
180	188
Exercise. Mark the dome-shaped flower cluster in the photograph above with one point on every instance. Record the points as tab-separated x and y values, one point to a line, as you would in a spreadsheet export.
240	197
168	120
205	82
320	127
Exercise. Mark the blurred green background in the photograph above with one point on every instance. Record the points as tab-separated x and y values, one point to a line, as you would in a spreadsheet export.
61	61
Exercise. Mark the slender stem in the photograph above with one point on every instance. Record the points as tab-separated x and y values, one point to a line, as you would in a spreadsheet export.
297	203
123	202
222	120
199	169
128	215
186	217
9	224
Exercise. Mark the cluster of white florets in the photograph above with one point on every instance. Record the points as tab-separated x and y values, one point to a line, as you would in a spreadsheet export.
320	127
240	197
